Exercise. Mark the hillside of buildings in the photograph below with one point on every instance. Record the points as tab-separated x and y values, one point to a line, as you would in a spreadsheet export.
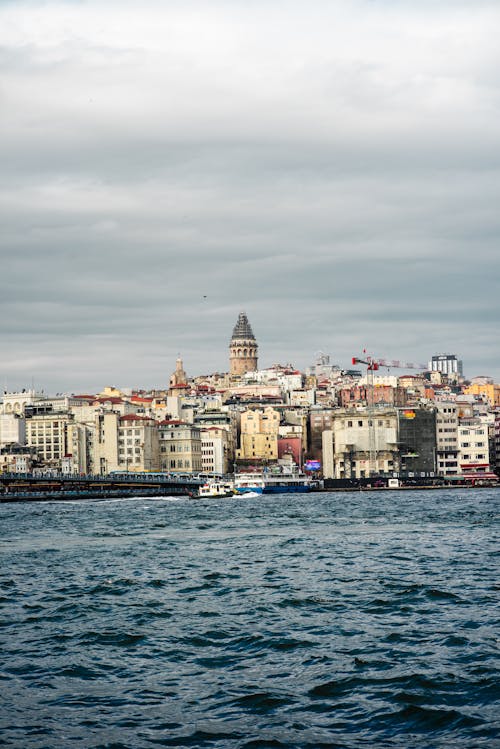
334	423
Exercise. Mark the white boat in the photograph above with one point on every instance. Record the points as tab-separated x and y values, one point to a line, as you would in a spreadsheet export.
286	483
211	489
270	482
245	483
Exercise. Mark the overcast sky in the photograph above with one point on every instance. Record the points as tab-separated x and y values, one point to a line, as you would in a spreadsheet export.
332	168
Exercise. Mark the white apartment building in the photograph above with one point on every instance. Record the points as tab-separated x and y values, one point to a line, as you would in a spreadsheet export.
473	447
447	439
215	450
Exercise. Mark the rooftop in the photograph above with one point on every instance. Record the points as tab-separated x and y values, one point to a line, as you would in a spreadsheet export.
242	329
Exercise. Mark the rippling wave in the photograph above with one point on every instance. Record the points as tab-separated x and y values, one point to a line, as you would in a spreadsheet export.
321	620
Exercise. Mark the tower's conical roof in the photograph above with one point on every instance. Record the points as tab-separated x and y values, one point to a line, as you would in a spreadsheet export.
242	329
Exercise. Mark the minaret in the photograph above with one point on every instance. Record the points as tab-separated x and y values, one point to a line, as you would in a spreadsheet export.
243	348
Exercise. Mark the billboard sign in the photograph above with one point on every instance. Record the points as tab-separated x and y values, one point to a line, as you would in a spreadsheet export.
312	465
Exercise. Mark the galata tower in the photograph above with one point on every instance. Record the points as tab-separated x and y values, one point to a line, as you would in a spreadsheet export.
243	348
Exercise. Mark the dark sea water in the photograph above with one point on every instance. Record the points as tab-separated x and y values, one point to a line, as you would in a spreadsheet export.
324	620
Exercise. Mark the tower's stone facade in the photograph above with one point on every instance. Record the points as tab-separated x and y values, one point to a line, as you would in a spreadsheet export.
179	376
243	348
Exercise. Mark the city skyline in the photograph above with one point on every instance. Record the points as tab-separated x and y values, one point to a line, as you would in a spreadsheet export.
333	172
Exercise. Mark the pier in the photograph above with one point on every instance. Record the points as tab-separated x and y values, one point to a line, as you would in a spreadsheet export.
15	487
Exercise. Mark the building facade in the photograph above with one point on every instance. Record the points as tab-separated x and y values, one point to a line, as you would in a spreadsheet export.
447	364
259	435
363	443
446	438
180	447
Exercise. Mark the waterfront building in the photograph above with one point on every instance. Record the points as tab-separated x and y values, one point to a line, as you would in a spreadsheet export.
473	446
242	348
446	438
320	420
215	450
47	432
15	458
417	441
364	443
327	452
290	444
103	445
138	444
180	447
259	435
495	441
81	445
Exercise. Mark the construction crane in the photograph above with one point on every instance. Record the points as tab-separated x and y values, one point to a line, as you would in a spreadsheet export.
373	365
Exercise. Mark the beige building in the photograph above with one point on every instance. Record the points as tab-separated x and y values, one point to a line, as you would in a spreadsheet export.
259	435
125	443
242	348
48	433
138	443
364	443
104	446
180	447
328	463
81	446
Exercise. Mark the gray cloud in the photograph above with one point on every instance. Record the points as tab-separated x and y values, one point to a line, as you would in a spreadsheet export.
335	173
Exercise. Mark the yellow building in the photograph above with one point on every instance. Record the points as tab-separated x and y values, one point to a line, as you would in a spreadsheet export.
490	391
259	435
